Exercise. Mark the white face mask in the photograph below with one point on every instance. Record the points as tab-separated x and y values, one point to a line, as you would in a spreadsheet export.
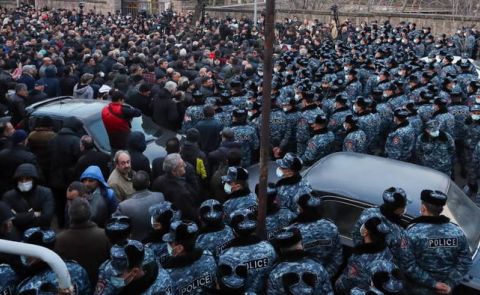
153	221
285	109
434	133
345	127
118	282
25	186
404	211
279	172
250	113
475	117
362	230
169	249
297	96
227	188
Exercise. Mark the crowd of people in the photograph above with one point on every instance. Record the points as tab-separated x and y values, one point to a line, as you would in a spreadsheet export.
185	223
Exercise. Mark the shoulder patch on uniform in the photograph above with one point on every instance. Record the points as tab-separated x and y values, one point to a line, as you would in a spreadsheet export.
442	242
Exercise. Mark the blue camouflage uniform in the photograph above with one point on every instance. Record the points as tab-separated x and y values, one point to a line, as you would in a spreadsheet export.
8	280
398	101
193	115
416	123
437	251
446	120
242	199
78	275
321	239
301	264
370	125
215	240
278	126
425	111
239	101
355	141
471	139
309	113
400	142
288	143
371	290
291	188
335	124
436	153
247	136
386	114
357	273
353	88
192	272
448	69
320	145
224	114
277	219
108	274
475	166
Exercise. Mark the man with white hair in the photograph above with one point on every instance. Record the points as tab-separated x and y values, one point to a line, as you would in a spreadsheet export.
28	76
175	188
165	110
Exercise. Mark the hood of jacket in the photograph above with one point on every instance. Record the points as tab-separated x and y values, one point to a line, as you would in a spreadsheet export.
26	170
80	89
94	172
137	142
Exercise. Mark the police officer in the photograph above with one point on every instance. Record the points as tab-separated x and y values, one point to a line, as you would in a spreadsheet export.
292	115
441	114
366	121
353	87
356	139
132	269
161	216
435	148
190	268
296	271
40	272
291	184
437	254
194	113
308	112
374	248
401	141
278	124
246	135
238	192
277	218
390	213
424	106
447	67
256	254
214	234
320	236
472	137
8	279
224	108
321	142
335	123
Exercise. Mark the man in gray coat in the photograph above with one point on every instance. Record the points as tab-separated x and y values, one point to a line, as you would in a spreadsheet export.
137	205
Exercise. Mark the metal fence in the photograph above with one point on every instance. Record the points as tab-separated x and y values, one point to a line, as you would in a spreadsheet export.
137	7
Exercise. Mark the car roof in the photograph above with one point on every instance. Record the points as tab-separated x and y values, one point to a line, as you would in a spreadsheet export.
365	177
83	109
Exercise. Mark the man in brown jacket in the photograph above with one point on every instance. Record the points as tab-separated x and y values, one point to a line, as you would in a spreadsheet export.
84	242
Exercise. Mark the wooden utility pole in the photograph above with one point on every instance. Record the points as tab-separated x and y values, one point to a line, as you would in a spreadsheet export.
266	106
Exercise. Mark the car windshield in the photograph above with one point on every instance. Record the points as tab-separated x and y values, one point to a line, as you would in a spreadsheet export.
465	213
142	124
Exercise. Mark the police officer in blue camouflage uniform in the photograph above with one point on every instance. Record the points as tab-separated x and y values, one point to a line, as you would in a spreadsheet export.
238	192
366	121
224	109
424	106
320	236
40	272
296	271
246	135
239	100
8	280
292	115
161	216
437	255
401	141
308	112
447	67
321	142
277	218
390	213
257	255
335	123
353	87
278	125
414	118
291	184
386	279
214	234
190	268
435	148
472	137
132	269
374	248
194	113
356	139
441	114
